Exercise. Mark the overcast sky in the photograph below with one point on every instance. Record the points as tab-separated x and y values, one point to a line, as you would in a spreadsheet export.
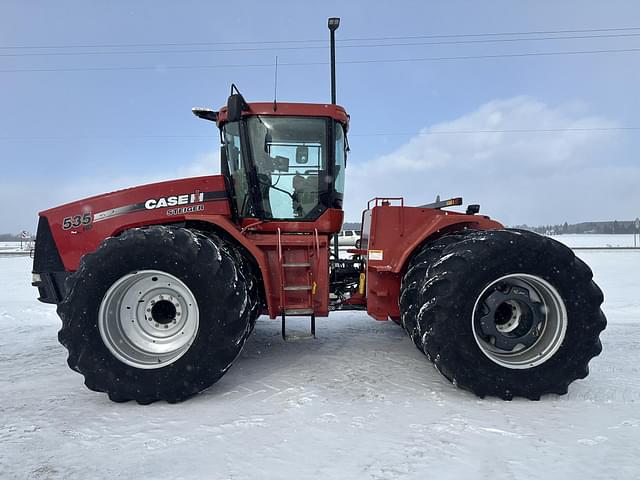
98	116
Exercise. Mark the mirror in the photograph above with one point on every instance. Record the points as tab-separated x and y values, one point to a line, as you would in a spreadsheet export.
302	155
235	106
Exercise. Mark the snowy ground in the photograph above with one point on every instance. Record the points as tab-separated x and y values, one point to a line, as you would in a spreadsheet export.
598	240
359	402
15	247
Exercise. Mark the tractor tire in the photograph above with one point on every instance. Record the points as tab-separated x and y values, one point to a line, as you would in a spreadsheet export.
157	313
505	313
249	270
413	279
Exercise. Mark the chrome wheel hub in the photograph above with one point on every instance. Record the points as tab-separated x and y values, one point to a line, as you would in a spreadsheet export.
148	319
519	321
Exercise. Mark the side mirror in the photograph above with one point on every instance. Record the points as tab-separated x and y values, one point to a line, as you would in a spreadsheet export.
302	155
235	106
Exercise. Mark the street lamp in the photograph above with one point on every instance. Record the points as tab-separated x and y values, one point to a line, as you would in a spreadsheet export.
333	23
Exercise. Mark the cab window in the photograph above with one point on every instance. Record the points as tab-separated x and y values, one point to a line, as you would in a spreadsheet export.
290	156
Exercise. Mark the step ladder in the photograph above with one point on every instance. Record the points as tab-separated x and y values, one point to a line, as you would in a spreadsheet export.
297	283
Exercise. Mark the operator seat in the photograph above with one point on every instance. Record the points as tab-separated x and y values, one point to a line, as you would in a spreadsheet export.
305	194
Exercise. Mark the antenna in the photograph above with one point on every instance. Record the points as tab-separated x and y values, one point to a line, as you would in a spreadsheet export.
275	87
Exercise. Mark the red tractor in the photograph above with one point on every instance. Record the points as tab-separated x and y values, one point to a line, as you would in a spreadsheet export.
159	286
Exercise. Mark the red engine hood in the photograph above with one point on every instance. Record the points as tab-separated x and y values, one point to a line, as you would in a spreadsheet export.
79	227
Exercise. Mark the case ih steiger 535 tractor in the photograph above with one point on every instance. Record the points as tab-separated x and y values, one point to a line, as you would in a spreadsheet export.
159	286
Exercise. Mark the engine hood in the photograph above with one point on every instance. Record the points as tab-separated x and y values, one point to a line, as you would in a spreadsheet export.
80	226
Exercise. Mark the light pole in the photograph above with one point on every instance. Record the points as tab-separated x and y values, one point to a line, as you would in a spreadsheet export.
333	24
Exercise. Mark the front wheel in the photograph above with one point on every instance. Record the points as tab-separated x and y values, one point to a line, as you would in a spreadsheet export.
503	312
157	313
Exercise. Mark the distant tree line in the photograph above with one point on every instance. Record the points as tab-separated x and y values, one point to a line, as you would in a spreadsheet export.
9	237
614	227
351	226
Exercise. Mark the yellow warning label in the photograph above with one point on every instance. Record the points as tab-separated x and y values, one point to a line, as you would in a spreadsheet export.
376	254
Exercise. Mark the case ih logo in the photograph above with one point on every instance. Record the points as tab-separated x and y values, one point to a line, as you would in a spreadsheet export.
174	200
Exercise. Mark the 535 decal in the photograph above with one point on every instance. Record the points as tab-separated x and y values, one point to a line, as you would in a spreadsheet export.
77	221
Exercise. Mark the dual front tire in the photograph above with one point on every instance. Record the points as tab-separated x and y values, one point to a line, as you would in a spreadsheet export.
158	313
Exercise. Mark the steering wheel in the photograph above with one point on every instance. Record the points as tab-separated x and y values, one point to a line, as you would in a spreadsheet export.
267	183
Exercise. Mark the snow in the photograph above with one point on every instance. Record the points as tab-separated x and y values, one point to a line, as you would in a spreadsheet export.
597	240
15	247
360	402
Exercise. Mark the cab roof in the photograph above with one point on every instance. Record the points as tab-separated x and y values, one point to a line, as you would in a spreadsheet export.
336	112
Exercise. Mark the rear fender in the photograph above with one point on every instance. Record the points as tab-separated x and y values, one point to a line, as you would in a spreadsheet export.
395	233
448	224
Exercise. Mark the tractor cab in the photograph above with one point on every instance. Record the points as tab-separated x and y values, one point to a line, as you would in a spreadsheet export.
282	161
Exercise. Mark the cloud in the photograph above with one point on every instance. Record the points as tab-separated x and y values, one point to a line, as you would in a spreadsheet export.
204	164
518	177
27	200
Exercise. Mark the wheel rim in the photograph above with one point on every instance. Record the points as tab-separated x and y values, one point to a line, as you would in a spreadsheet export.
148	319
519	321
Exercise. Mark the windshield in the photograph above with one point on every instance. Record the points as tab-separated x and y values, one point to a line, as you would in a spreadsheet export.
290	156
283	168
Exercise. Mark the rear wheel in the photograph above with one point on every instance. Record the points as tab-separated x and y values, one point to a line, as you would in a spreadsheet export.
157	313
414	279
503	312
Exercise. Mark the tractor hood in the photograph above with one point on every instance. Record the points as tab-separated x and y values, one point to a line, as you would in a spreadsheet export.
80	226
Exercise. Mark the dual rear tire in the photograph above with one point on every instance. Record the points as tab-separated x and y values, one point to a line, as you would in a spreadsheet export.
503	313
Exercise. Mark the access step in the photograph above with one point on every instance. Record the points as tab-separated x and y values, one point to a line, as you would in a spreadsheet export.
298	311
296	265
293	288
311	335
